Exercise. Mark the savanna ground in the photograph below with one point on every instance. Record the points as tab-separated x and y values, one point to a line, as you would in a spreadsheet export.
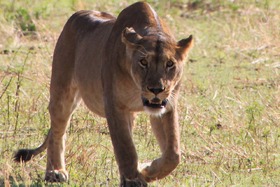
229	105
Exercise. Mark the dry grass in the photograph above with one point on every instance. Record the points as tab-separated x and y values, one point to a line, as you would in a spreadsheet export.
229	106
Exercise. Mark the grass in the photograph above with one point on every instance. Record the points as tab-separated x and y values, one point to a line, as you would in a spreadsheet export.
229	105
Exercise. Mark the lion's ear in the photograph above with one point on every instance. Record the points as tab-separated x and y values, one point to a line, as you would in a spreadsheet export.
185	45
130	37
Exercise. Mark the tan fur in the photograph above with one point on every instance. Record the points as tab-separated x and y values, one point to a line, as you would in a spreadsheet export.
116	66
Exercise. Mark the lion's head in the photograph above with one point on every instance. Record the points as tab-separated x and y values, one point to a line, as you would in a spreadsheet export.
156	66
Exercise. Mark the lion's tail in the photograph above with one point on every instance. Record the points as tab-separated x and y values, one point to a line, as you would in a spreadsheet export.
24	155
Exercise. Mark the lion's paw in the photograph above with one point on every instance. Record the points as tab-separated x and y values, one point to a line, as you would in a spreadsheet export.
133	183
144	169
56	176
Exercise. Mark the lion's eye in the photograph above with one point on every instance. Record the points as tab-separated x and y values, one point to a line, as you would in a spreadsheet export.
143	63
170	64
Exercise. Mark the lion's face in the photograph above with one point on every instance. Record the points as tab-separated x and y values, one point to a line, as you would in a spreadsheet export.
156	66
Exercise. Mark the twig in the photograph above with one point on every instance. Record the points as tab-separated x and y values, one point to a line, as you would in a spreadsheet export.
7	86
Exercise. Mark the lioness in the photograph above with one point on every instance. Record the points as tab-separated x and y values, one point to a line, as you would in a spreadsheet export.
117	66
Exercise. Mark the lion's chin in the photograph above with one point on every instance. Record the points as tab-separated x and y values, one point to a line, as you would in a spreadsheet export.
154	111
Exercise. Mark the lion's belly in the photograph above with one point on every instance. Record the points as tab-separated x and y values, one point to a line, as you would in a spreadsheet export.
90	87
93	101
88	77
88	64
92	95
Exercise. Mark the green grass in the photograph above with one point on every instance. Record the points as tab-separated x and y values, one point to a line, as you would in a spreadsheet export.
229	105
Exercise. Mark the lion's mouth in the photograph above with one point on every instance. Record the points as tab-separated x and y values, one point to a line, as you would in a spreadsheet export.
155	103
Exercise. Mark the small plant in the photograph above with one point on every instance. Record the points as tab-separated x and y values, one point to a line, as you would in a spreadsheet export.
254	112
24	20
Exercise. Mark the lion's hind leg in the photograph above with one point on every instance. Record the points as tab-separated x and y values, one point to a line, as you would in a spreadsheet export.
63	102
64	98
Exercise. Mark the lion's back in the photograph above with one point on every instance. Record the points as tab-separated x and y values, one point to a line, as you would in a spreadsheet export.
88	20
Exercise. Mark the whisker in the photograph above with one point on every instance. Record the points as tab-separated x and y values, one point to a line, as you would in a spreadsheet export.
171	99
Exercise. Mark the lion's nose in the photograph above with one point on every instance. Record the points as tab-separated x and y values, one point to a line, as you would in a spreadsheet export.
156	90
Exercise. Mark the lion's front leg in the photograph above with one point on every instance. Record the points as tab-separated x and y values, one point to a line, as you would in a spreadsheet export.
166	130
120	124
